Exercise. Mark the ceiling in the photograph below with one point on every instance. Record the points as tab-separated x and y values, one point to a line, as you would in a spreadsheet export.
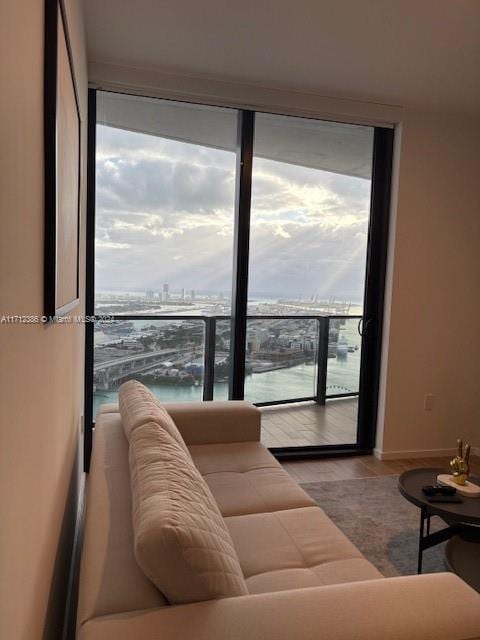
403	52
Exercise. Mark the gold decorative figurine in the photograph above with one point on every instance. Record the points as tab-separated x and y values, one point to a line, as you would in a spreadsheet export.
459	464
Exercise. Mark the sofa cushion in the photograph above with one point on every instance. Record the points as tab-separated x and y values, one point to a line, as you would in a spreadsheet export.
181	541
294	549
215	422
244	477
138	406
235	457
111	580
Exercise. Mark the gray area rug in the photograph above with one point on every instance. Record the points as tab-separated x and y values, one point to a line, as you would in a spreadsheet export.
379	521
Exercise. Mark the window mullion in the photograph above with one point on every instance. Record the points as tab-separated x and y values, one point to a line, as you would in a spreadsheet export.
243	192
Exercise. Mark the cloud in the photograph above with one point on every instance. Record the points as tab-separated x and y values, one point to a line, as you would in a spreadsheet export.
104	244
165	213
282	232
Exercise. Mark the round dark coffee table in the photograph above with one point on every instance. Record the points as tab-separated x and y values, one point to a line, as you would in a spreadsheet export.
462	519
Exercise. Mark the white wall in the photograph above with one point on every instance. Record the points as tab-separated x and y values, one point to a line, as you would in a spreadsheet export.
41	373
432	301
435	300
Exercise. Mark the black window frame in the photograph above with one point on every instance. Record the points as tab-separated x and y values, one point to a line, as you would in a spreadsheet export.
376	264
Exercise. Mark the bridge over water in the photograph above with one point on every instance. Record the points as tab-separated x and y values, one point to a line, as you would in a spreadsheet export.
111	373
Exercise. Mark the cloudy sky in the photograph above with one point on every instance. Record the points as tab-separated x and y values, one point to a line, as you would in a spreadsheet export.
165	214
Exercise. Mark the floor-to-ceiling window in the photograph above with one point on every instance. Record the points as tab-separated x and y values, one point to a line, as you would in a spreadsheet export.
165	190
168	181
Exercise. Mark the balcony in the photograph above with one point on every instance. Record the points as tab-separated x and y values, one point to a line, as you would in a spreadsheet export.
310	424
303	371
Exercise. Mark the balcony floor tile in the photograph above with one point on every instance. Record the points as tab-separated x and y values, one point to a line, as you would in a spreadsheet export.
306	424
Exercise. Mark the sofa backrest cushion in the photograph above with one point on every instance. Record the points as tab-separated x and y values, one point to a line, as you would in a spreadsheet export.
181	540
138	406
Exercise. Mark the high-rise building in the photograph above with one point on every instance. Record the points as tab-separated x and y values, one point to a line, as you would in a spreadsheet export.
182	293
165	291
192	294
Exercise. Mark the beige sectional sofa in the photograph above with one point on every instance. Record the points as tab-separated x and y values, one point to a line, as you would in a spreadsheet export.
233	548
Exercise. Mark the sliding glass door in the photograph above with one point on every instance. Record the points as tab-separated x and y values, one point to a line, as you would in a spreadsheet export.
234	254
308	244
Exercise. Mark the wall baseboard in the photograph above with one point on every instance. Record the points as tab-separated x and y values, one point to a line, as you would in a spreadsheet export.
416	453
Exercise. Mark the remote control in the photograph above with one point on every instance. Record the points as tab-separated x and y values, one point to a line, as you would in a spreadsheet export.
440	498
439	490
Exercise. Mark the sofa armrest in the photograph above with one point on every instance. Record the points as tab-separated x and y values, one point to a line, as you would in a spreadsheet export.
216	422
439	606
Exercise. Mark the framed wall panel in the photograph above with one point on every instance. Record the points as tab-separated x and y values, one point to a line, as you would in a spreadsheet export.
62	127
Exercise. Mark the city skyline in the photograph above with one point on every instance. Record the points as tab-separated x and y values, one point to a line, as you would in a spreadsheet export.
199	295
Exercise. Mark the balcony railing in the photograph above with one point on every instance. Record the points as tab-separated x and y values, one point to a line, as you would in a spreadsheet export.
290	358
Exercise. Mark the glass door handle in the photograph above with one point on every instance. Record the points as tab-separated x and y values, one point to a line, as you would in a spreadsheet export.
364	327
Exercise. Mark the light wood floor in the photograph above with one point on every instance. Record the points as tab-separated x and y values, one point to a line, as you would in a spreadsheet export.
362	467
308	423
